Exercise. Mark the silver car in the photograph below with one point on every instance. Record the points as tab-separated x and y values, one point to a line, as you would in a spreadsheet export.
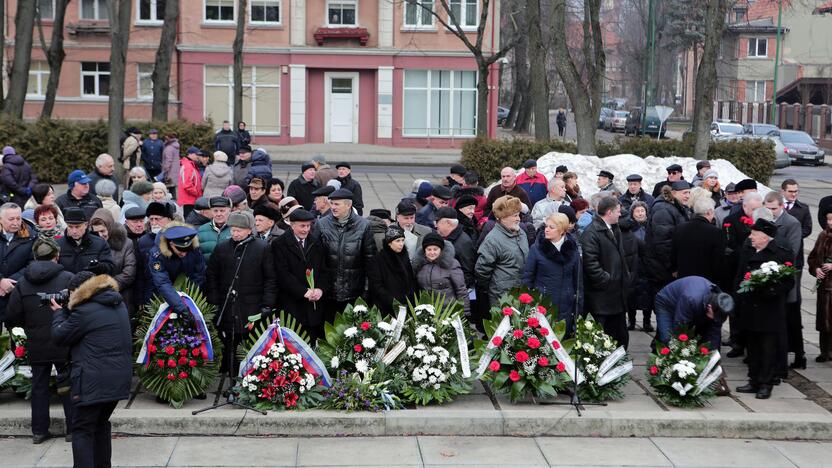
798	148
617	120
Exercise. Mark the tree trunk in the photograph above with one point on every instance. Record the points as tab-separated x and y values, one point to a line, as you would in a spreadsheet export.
706	76
119	38
238	62
24	26
161	68
55	55
521	118
2	50
537	59
482	97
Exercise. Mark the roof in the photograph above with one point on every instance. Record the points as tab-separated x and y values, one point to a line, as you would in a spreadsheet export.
822	9
762	25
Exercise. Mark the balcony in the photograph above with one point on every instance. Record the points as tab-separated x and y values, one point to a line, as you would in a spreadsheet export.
89	28
322	34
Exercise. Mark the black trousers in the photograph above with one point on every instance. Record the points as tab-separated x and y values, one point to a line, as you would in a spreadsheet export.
794	328
91	437
560	130
615	326
41	394
762	356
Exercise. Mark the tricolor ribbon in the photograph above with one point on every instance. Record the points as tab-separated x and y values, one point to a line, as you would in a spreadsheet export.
294	345
163	315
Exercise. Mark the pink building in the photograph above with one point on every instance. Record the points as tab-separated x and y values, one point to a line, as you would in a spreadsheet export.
355	71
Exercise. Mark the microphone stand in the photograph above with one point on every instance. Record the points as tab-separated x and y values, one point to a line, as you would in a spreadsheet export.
231	295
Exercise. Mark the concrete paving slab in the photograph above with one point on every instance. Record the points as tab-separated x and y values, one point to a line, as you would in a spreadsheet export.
240	451
628	403
451	422
817	374
720	452
143	451
19	451
479	451
359	451
715	405
779	405
805	454
782	391
583	451
59	454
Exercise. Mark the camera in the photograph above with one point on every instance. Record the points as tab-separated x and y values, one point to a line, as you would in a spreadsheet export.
61	297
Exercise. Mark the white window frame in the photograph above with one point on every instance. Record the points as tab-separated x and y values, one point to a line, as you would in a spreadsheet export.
139	76
427	133
97	7
421	13
250	86
756	41
221	2
463	7
97	74
752	87
279	4
51	18
158	16
341	25
40	76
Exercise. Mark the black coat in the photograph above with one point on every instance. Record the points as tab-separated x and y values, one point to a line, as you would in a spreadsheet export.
302	191
633	247
89	203
77	256
291	264
96	177
357	197
391	278
196	219
256	281
800	211
14	256
25	309
97	330
465	253
627	199
762	311
698	250
17	179
606	275
736	235
665	216
349	249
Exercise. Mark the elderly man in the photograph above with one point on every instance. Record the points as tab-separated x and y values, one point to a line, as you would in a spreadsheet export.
502	255
82	250
302	187
533	182
15	250
348	242
674	174
347	182
105	168
731	198
413	232
456	178
701	168
508	186
634	193
698	246
447	226
323	171
605	184
438	199
210	234
78	194
693	302
554	200
321	201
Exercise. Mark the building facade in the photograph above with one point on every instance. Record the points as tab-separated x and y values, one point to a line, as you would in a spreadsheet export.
315	71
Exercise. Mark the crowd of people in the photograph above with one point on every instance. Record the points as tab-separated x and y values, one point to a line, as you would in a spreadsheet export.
221	219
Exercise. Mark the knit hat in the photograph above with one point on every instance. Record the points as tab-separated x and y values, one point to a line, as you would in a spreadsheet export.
235	193
306	166
241	219
434	239
45	248
506	206
425	188
710	173
8	151
392	233
569	212
220	156
141	187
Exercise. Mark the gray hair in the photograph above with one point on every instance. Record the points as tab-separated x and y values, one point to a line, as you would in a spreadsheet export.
102	158
138	170
595	199
753	196
105	188
703	206
553	181
319	158
8	206
763	213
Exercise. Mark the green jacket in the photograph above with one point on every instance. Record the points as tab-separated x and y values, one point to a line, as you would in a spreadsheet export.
210	236
500	262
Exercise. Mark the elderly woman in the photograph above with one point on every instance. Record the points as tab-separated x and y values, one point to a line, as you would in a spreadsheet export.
43	195
105	190
390	272
553	267
46	220
137	174
438	271
217	176
820	266
502	255
103	224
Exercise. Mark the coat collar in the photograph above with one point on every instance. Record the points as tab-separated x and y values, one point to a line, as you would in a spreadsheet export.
90	288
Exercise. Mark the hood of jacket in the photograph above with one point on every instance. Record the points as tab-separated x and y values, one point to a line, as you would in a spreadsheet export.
133	198
260	158
173	142
218	169
162	242
117	235
102	289
42	271
14	159
377	225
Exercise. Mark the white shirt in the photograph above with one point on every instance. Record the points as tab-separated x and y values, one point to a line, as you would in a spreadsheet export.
559	243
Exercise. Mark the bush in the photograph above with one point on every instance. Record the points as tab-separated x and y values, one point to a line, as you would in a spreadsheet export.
753	157
55	148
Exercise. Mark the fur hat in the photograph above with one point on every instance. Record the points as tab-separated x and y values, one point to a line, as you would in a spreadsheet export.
434	239
506	206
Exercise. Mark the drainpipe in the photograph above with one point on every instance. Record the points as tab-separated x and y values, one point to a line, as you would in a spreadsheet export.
776	59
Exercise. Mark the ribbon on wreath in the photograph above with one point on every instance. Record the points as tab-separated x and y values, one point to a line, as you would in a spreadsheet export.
163	315
293	344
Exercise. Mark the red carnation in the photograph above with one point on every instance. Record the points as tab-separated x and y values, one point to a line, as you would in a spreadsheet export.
561	367
525	298
365	326
183	352
192	363
169	350
521	356
683	337
533	343
747	275
497	340
518	334
704	350
160	363
746	220
171	363
514	376
151	349
494	366
542	361
171	377
726	225
654	370
788	264
183	360
541	309
544	331
183	375
507	311
358	348
665	351
19	352
533	322
555	345
195	352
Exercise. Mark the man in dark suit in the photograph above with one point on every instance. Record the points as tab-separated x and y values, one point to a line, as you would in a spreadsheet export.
699	246
794	328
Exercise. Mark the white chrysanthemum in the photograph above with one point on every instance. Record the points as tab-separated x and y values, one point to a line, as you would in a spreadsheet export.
384	326
335	362
174	316
436	386
360	309
591	369
368	343
19	332
350	332
252	388
409	351
588	324
362	366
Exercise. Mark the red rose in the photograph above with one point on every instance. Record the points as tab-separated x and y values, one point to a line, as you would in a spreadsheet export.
171	377
19	352
365	326
358	348
683	337
542	361
726	225
541	309
704	350
183	375
494	366
507	311
788	264
747	275
160	363
561	367
518	334
171	363
169	350
545	332
555	345
183	352
497	340
533	343
151	349
195	352
533	322
514	376
654	370
525	298
665	351
521	356
183	360
192	363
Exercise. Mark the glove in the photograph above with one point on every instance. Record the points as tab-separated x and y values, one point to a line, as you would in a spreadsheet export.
96	267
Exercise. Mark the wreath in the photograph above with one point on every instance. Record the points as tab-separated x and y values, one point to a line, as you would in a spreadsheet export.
15	371
684	373
596	354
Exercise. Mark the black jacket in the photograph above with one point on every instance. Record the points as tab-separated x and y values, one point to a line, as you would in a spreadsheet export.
227	142
665	216
762	311
96	176
97	330
256	283
606	274
292	263
627	199
76	256
349	249
801	212
14	256
89	203
699	250
196	219
465	252
25	309
302	191
357	197
391	279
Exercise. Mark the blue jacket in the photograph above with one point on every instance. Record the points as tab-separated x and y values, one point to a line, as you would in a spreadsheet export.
164	267
261	166
556	274
152	155
426	216
687	299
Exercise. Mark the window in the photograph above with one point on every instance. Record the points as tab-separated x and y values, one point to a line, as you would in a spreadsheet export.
465	11
151	11
219	10
739	15
38	77
755	91
94	10
417	14
440	103
145	81
261	97
265	11
46	8
758	47
95	78
341	12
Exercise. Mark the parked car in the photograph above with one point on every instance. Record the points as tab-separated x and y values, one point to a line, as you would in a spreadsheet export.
616	120
502	115
605	111
797	147
633	125
720	129
757	129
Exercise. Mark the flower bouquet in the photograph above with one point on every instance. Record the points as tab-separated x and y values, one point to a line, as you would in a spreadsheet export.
597	354
684	372
362	392
525	356
15	372
769	275
176	351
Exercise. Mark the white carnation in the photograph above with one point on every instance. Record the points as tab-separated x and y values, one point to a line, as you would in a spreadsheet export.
362	366
17	331
384	326
350	332
359	309
174	316
368	343
335	362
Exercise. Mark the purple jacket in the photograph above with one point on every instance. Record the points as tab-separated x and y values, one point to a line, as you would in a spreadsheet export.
17	178
170	162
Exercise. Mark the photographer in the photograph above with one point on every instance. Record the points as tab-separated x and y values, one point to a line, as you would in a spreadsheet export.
96	328
81	250
30	307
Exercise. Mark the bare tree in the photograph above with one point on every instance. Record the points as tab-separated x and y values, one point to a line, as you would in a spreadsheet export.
238	61
161	67
24	25
706	78
119	11
584	91
537	61
54	54
2	49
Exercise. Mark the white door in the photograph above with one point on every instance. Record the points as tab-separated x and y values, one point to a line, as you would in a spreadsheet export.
342	104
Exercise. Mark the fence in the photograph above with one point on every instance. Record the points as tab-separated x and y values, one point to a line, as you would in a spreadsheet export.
812	119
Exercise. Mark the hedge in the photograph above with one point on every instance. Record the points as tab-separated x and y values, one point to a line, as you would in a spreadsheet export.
486	157
56	147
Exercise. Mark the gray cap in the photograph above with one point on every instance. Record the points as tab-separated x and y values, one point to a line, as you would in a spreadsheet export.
241	219
134	212
202	203
319	158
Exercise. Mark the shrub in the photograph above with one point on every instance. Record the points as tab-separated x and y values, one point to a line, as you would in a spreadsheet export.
56	147
486	157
